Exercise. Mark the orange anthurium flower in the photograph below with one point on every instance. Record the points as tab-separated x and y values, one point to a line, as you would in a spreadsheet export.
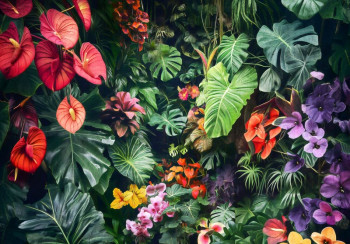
181	180
170	176
195	165
182	161
70	116
264	145
254	127
327	236
189	172
296	238
273	115
200	190
275	230
27	155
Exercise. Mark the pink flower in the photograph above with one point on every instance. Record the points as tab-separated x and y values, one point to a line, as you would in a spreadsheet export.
194	91
326	215
183	94
204	235
151	190
170	214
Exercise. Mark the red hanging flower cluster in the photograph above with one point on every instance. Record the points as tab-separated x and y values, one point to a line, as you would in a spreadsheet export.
132	20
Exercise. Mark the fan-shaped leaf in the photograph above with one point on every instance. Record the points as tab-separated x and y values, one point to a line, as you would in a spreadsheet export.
284	36
304	9
63	217
270	80
132	159
223	214
233	52
18	10
225	100
172	119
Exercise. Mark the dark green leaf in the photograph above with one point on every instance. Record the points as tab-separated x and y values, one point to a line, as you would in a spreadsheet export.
305	9
340	59
4	121
172	119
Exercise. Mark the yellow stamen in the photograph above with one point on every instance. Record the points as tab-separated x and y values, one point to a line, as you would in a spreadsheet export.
16	173
14	43
67	9
72	113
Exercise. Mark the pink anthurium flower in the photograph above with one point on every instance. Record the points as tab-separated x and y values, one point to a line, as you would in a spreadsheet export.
83	9
16	9
204	235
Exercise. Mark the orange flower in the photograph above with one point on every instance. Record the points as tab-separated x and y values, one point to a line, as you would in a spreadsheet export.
255	128
273	115
182	161
264	145
296	238
181	180
189	172
327	236
198	189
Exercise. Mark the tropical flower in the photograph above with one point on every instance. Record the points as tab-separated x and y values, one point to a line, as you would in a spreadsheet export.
118	202
153	189
337	187
346	91
296	238
255	127
28	154
135	196
312	130
339	161
18	9
301	217
183	94
198	189
23	115
264	145
316	147
344	125
193	91
294	122
204	235
320	110
275	230
83	9
326	215
294	164
327	236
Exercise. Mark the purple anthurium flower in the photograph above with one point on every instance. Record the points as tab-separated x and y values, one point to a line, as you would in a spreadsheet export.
294	123
300	216
294	164
316	147
326	215
337	187
312	130
339	161
320	109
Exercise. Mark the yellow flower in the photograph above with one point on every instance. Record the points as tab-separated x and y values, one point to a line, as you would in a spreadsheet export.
296	238
135	196
327	236
119	200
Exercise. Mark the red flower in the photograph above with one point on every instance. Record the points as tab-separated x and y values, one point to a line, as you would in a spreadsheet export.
18	10
182	161
183	94
198	189
15	55
264	145
181	180
275	230
189	173
83	9
28	154
273	115
255	127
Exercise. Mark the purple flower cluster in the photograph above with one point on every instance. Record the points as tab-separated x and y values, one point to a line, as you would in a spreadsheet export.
301	215
339	161
153	211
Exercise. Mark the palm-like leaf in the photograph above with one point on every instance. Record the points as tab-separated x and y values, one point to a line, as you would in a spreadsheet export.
172	119
132	159
223	214
225	100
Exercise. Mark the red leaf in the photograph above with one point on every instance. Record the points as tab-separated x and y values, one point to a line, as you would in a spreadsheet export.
91	65
15	56
16	8
28	154
56	72
83	9
59	28
70	116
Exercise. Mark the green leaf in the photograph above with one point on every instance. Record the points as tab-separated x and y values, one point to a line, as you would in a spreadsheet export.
149	94
233	52
177	191
76	158
244	213
133	159
270	80
172	119
284	36
63	217
335	10
25	84
300	61
166	62
340	58
223	214
225	100
344	141
304	9
190	211
4	121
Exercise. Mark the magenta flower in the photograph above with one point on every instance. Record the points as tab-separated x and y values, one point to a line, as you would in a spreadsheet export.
316	147
326	215
312	130
294	123
153	189
337	187
294	164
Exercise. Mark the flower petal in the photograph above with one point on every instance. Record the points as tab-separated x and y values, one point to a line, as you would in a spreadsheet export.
83	9
18	10
329	233
320	216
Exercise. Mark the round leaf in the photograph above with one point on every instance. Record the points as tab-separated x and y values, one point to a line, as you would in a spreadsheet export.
305	9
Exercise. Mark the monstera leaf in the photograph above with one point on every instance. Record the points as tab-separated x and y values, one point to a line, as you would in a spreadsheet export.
172	119
283	37
78	157
67	216
133	159
225	100
305	9
223	214
335	10
165	61
270	80
4	121
233	52
300	61
340	61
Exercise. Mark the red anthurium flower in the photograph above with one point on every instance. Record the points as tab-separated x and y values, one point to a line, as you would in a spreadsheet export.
275	230
15	55
91	65
181	180
273	115
83	9
71	115
264	145
59	28
198	189
54	70
255	127
274	132
28	153
182	161
16	8
189	173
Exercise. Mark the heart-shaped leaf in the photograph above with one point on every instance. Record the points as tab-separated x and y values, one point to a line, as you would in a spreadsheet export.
16	9
305	9
270	80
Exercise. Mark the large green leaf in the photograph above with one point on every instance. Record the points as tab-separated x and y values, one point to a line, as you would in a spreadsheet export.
300	61
25	84
166	61
177	191
340	59
233	52
270	80
304	9
190	211
336	9
223	214
4	121
172	119
78	157
225	100
132	159
283	37
67	217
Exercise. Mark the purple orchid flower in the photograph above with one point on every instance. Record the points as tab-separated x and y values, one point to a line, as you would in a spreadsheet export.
294	164
316	147
326	215
320	110
294	123
301	217
312	130
337	187
339	161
